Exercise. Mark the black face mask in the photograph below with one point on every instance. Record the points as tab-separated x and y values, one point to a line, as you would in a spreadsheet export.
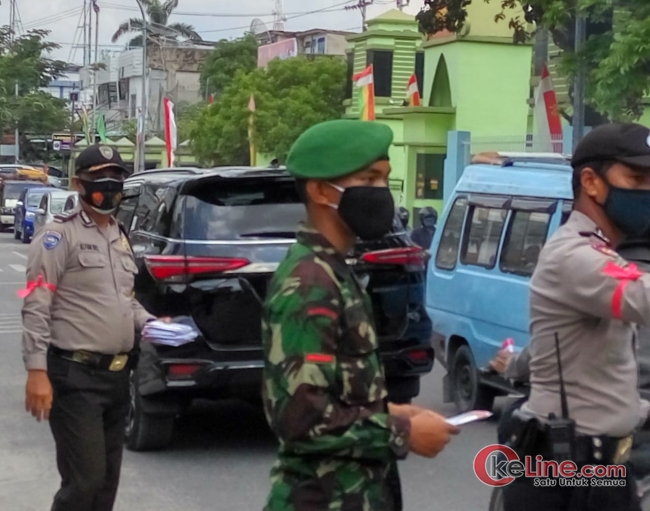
367	210
103	195
629	210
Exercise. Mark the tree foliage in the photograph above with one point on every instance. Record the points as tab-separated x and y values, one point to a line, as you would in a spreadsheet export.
158	26
616	55
25	61
228	58
290	95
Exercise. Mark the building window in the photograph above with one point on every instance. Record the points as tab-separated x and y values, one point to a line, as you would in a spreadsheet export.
448	249
430	176
320	46
382	62
526	237
419	71
348	83
481	243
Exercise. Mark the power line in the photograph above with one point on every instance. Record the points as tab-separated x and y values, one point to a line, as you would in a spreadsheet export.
53	19
221	15
332	8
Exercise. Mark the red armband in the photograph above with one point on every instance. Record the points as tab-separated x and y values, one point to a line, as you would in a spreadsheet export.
32	285
625	275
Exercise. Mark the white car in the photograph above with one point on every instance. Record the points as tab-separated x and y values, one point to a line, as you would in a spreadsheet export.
52	203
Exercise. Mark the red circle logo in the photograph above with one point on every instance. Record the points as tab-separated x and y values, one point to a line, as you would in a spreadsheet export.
486	464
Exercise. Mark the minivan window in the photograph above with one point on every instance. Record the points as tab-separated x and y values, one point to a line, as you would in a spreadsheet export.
448	249
526	236
481	242
243	210
33	199
56	207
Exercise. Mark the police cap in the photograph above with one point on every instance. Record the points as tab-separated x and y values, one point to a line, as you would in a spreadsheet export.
628	143
339	148
97	157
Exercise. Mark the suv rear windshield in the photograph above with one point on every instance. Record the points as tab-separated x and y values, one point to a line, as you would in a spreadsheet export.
243	209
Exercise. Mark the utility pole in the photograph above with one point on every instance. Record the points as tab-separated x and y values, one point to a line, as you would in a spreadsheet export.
13	26
142	124
17	134
361	6
73	99
95	99
86	59
580	81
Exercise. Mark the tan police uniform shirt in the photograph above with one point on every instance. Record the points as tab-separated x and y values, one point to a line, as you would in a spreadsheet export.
92	306
580	290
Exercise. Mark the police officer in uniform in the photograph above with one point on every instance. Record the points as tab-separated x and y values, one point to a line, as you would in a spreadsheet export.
79	320
324	389
591	297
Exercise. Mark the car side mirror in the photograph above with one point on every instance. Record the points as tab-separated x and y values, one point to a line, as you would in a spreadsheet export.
40	211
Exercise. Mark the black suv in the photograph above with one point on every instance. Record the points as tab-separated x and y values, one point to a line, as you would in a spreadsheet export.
207	243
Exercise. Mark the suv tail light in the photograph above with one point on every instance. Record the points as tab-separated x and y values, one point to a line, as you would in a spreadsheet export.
402	256
183	371
169	267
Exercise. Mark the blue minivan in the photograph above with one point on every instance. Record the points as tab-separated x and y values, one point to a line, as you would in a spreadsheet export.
502	211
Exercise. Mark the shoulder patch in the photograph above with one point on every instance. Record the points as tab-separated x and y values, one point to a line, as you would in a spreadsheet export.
66	216
51	240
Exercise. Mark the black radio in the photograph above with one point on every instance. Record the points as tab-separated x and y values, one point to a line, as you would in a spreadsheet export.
561	433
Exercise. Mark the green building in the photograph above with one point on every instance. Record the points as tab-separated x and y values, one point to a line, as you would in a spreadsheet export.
476	81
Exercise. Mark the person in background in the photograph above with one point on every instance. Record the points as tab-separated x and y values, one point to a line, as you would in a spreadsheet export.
423	235
404	217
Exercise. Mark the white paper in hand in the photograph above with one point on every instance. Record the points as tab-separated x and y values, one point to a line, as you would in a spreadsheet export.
168	334
465	418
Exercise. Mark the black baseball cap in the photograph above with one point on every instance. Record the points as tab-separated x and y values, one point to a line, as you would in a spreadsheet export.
97	157
627	143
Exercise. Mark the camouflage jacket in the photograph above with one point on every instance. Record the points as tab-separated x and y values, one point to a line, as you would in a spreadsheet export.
324	389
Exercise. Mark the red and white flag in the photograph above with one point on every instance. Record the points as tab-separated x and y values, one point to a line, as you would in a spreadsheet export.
170	131
413	92
547	116
508	345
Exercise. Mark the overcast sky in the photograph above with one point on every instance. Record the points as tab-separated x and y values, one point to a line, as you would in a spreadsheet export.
62	17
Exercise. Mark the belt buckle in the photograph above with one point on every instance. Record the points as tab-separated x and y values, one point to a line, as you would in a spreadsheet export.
118	363
623	449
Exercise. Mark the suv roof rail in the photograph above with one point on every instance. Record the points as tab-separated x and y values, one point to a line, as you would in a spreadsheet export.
177	170
507	159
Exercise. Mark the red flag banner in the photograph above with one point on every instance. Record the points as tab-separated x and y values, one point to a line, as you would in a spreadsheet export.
365	81
413	92
170	132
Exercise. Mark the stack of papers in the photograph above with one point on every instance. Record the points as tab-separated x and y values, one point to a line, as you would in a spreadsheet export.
168	334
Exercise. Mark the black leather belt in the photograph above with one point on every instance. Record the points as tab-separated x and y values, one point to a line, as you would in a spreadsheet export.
595	449
113	363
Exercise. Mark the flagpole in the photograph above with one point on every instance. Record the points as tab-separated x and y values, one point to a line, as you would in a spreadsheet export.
251	131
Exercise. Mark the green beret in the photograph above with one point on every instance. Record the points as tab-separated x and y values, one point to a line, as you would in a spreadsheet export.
338	148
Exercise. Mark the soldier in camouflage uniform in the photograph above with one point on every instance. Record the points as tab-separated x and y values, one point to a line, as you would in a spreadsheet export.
324	389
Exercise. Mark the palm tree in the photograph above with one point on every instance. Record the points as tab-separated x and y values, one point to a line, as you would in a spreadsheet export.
158	24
